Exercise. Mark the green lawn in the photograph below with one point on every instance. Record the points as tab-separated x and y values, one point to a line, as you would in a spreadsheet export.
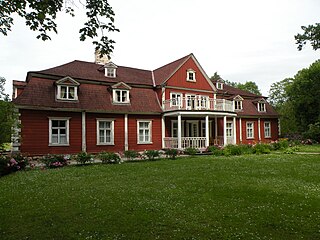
248	197
315	148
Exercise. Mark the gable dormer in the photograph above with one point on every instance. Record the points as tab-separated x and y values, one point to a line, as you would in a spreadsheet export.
261	105
121	93
67	89
110	70
237	103
191	75
219	84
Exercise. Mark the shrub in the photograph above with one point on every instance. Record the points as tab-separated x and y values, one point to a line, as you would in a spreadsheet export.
131	154
55	161
171	153
191	151
4	165
83	158
151	154
232	150
261	148
215	151
109	157
9	164
313	132
280	145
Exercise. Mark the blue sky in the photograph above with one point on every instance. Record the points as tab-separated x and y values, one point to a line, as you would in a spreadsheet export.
246	40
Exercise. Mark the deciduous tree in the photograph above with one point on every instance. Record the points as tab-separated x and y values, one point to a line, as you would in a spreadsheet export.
311	34
40	16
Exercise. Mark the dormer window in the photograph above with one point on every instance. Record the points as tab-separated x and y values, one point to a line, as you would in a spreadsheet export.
67	89
219	85
120	93
262	105
237	101
110	70
191	75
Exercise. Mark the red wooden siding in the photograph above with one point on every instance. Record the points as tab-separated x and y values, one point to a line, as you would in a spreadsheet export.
179	79
156	132
35	132
91	131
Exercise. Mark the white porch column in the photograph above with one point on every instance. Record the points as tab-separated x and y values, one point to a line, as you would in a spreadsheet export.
179	131
207	131
163	131
224	130
259	130
240	129
234	131
279	127
83	132
216	127
126	143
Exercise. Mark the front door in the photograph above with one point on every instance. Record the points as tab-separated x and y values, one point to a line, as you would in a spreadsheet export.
190	101
193	128
229	132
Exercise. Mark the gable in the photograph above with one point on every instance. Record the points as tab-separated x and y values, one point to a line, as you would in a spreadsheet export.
121	85
238	98
179	77
67	81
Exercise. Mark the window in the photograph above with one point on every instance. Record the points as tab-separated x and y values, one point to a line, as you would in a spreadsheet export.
261	107
176	99
144	131
58	131
191	75
203	102
250	130
229	129
121	96
67	92
237	105
111	72
203	129
219	85
105	132
267	129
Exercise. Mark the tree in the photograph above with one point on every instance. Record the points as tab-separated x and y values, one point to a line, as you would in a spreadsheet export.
247	86
7	115
278	93
311	34
40	17
215	77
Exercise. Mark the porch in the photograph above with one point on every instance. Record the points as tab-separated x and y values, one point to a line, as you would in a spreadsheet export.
192	142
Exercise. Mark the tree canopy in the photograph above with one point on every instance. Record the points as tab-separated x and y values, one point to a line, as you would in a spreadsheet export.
249	86
40	16
312	34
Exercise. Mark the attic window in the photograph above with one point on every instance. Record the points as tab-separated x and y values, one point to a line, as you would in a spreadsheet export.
262	105
191	75
238	103
110	70
120	93
67	89
219	85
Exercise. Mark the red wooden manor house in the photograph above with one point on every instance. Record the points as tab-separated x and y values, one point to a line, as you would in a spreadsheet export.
93	107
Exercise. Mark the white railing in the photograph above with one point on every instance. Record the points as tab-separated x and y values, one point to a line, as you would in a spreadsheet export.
197	103
186	142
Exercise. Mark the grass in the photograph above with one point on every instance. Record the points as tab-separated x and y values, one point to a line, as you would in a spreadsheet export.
246	197
315	148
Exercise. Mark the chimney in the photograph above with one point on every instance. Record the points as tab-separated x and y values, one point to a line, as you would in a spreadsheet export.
100	60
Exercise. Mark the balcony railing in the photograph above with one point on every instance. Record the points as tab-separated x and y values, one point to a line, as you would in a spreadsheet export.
197	103
186	142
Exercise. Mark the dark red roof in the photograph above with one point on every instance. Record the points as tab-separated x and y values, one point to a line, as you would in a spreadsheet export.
19	83
163	73
40	92
92	71
250	108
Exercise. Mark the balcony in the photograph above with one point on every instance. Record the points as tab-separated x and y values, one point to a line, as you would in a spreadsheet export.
198	103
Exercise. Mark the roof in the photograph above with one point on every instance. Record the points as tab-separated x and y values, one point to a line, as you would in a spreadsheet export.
250	109
163	73
95	72
19	83
229	90
40	92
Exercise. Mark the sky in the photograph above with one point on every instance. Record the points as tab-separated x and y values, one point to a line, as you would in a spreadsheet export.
247	40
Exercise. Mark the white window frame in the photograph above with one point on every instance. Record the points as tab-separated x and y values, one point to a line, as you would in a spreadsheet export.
149	128
203	128
203	101
260	108
219	85
193	73
111	72
67	91
173	128
121	91
67	119
267	129
178	101
237	103
250	128
229	129
111	133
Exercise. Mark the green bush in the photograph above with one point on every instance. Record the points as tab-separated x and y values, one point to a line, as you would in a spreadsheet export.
261	148
83	158
55	161
232	150
171	153
151	154
131	154
215	151
191	151
280	145
313	132
9	164
109	157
